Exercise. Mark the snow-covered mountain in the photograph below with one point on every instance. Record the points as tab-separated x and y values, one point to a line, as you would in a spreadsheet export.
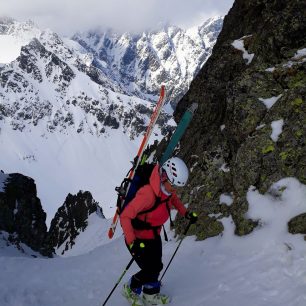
50	82
141	62
66	109
59	117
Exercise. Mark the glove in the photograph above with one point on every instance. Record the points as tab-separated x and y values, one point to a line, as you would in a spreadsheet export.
136	248
191	216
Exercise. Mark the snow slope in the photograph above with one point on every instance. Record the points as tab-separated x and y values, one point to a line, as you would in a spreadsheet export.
66	163
265	268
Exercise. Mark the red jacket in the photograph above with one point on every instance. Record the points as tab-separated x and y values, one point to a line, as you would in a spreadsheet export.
145	199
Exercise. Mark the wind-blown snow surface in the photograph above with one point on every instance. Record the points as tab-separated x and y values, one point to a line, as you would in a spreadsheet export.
265	268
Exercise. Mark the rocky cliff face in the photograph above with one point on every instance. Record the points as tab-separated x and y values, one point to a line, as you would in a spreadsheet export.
250	127
21	213
71	219
23	221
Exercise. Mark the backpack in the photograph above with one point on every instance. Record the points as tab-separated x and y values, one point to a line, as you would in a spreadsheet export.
141	178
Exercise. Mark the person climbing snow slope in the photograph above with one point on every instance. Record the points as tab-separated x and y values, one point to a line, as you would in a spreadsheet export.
142	221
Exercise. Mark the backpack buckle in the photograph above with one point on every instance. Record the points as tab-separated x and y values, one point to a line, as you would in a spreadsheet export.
121	191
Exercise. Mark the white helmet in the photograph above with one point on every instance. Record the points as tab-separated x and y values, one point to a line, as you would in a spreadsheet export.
177	171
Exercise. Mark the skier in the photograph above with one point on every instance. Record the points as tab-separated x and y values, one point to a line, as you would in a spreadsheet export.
142	221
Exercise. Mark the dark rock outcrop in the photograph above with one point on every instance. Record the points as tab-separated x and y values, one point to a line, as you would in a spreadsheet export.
297	225
21	214
229	145
72	218
22	219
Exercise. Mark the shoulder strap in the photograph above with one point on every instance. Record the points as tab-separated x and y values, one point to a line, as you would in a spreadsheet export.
144	225
156	204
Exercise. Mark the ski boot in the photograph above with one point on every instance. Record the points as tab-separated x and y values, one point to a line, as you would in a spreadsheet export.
131	296
155	299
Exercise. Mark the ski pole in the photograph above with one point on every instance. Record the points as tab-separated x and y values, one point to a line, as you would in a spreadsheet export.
119	280
184	235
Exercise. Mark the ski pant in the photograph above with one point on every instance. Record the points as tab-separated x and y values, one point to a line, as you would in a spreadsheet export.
150	262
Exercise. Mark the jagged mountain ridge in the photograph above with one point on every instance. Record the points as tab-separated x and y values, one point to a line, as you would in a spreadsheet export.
71	219
141	62
51	82
53	71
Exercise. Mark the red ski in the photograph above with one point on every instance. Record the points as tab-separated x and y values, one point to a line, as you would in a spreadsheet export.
123	192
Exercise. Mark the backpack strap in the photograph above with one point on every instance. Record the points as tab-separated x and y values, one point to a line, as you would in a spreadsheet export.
140	224
156	204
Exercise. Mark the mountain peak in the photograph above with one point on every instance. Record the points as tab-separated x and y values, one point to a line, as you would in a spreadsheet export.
141	62
5	20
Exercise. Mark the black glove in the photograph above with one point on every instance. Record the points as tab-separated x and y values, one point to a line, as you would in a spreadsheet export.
191	216
136	248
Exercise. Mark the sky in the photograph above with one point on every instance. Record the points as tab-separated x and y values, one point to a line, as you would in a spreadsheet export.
69	16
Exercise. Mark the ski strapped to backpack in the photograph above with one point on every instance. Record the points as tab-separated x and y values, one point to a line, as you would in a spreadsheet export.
143	172
125	185
179	132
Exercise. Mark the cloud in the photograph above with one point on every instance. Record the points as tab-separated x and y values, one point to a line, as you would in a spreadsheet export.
69	16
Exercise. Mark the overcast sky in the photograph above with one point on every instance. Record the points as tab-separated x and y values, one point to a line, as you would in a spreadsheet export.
69	16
